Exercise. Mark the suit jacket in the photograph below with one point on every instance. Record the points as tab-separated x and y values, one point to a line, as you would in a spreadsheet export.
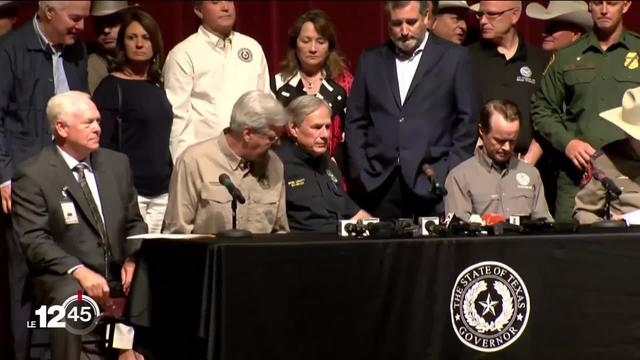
26	85
53	247
436	125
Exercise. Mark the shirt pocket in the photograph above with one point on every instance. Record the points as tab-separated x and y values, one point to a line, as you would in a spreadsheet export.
575	76
519	202
484	202
263	209
627	78
215	205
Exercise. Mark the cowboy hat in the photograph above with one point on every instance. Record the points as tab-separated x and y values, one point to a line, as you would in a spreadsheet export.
575	12
626	117
452	4
104	8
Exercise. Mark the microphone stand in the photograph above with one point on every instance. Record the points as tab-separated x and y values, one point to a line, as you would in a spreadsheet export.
234	232
607	222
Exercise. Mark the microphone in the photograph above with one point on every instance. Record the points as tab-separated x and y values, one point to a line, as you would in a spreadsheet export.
436	187
608	184
225	180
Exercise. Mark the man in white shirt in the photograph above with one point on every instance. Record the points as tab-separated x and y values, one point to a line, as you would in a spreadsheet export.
206	73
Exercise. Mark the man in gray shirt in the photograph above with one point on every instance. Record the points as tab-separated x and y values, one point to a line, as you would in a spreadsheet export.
494	181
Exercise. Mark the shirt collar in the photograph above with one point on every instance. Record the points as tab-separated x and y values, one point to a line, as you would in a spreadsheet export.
593	43
492	48
71	161
235	161
487	163
215	39
402	56
44	42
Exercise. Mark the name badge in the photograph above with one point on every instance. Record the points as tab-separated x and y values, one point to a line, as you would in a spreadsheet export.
68	209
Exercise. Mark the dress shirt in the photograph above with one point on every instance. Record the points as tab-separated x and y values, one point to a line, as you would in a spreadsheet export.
204	76
406	68
59	76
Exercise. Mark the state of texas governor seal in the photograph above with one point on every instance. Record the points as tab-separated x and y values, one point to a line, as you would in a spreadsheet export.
489	306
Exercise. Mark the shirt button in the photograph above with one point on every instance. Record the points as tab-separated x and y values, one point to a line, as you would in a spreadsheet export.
50	80
401	119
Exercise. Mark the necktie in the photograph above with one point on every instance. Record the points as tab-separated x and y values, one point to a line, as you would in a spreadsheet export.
95	213
59	76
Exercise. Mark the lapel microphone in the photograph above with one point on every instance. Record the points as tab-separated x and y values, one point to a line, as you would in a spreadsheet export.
225	180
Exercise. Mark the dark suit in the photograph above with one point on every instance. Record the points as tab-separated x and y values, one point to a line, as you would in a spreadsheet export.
26	85
436	125
52	247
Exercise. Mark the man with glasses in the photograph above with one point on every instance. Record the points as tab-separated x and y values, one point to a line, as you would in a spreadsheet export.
200	204
585	79
508	67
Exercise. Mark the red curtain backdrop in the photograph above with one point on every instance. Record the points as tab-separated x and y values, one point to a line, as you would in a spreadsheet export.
359	24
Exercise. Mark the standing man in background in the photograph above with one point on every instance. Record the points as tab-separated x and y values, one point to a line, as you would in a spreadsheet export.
508	67
411	117
107	18
205	74
42	58
564	22
450	21
586	79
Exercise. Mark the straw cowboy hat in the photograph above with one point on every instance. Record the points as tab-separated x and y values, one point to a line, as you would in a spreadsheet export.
104	8
453	4
575	12
626	117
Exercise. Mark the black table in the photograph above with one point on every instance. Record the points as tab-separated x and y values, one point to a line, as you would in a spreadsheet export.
316	296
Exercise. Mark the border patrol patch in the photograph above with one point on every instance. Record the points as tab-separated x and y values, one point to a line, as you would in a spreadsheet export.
245	55
489	306
631	60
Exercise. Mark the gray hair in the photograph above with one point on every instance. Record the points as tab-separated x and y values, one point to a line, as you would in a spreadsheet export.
258	111
302	106
388	5
42	6
63	105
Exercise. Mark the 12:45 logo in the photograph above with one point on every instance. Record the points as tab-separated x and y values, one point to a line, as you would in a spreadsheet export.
78	314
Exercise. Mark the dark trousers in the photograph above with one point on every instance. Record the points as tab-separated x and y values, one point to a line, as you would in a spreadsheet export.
20	310
395	199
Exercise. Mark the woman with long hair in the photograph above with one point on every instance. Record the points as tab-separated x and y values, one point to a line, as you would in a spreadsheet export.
136	115
313	66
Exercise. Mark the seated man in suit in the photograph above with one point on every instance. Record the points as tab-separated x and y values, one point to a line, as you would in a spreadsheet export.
316	200
619	162
495	181
198	201
411	117
73	207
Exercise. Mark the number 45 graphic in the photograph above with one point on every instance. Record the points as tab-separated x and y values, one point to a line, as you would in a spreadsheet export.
78	314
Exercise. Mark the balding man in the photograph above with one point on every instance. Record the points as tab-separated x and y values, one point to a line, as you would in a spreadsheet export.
74	207
42	58
508	67
564	22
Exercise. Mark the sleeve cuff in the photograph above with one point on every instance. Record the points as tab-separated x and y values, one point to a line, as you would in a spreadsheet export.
70	271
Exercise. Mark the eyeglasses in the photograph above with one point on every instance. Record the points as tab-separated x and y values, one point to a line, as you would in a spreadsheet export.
273	138
491	15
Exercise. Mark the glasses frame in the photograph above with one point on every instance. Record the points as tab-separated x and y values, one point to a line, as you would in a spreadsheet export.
492	15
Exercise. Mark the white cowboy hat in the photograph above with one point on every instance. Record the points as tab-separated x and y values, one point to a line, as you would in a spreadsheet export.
626	117
453	4
104	8
575	12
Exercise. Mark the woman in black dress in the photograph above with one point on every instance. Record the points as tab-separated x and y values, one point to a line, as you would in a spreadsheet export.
136	115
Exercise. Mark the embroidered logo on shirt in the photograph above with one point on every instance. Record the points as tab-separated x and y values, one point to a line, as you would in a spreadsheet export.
245	55
523	179
296	183
631	60
526	74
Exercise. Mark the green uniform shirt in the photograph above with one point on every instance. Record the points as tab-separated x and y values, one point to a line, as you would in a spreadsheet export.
580	83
